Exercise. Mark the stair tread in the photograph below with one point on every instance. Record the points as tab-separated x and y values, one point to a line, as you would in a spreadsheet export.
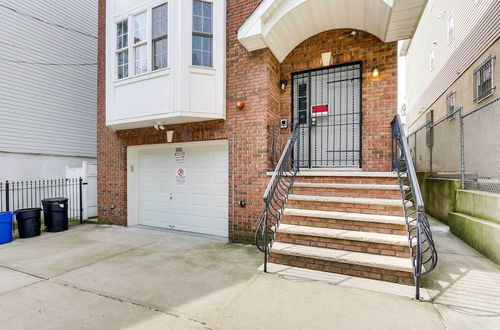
390	219
356	258
349	200
359	174
353	235
347	186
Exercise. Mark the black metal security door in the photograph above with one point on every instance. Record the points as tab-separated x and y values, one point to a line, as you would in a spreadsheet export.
327	107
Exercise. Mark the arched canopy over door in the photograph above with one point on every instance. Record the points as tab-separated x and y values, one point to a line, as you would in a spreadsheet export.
281	25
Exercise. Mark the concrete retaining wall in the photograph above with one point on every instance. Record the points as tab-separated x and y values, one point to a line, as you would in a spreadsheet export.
474	216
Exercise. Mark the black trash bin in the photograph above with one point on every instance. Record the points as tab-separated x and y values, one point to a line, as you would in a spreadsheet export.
28	222
55	214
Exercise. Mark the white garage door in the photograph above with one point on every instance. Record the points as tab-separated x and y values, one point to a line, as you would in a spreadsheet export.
184	186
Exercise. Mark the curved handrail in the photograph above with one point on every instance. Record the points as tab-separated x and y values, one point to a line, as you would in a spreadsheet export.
422	248
276	196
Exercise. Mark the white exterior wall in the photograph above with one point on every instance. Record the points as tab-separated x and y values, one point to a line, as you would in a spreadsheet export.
18	167
180	93
476	27
48	108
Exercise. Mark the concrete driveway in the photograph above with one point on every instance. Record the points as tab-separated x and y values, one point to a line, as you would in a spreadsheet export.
107	277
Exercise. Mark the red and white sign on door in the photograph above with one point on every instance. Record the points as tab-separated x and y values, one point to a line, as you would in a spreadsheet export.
319	110
180	176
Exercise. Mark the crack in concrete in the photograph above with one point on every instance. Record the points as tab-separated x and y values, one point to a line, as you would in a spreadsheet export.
66	284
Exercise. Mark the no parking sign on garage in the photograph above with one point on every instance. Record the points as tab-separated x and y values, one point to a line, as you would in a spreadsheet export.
180	176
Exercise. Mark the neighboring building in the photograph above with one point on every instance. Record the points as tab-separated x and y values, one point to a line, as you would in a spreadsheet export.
453	112
452	58
180	68
48	93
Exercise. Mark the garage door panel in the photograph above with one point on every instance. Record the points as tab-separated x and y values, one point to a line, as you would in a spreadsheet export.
198	204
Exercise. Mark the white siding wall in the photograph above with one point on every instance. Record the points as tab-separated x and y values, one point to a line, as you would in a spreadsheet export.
48	109
476	27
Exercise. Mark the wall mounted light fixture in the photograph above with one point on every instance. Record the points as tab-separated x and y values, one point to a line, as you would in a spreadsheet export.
326	58
283	84
239	105
375	72
170	136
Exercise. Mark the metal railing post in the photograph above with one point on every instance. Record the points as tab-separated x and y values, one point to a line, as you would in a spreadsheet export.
7	198
266	248
462	150
419	265
80	186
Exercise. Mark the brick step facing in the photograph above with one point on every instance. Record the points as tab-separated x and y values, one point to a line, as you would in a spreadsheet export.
384	224
349	240
347	190
354	177
381	206
380	267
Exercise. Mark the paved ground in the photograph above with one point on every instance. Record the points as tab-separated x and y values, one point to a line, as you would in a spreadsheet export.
105	277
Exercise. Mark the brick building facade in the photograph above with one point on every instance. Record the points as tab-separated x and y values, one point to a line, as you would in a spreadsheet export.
253	78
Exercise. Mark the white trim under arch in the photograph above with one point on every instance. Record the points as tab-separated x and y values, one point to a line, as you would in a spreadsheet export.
281	25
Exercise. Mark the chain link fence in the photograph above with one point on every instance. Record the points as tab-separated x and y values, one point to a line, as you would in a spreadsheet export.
464	145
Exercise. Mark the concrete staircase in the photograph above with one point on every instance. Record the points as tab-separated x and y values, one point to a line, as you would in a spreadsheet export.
345	222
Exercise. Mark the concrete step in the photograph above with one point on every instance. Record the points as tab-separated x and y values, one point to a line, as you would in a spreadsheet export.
349	240
388	268
382	206
384	224
347	190
347	186
351	235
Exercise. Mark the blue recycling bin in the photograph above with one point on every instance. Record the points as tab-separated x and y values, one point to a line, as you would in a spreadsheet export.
6	227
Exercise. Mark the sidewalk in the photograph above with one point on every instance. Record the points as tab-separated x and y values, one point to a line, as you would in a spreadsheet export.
465	286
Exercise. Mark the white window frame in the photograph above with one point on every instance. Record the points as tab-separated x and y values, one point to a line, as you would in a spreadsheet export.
202	34
166	36
450	28
131	45
140	43
122	50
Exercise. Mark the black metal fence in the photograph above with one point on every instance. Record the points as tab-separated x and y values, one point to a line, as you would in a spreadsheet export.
15	195
464	145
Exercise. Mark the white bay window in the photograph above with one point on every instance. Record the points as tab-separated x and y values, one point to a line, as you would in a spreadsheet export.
165	62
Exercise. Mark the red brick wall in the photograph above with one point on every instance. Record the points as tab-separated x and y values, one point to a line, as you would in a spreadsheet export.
252	78
379	97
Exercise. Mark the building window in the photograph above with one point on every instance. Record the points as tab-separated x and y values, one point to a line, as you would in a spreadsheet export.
450	105
140	43
160	36
483	80
202	33
121	49
450	26
302	103
122	64
431	59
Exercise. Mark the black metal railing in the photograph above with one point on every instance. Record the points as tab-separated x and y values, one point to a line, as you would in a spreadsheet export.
276	197
279	137
15	195
422	250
